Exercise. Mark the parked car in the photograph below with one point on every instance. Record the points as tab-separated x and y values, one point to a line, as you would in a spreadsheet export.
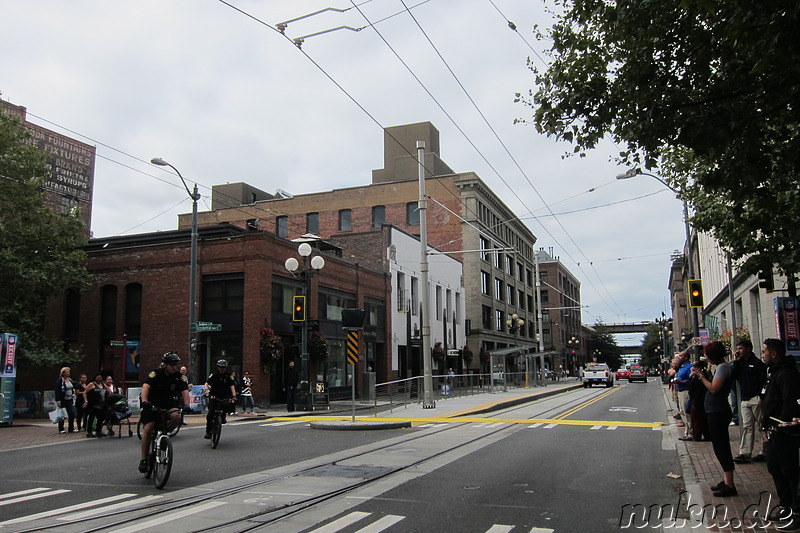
637	374
623	373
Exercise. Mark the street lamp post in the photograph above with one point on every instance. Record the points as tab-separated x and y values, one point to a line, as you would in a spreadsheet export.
632	173
574	346
596	354
195	196
514	322
305	274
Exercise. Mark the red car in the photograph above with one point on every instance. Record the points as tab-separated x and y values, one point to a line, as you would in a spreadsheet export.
623	373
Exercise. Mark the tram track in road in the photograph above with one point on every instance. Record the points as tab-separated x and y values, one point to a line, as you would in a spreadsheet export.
192	500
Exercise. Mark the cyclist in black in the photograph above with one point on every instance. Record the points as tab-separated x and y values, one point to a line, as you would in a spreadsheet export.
221	390
164	388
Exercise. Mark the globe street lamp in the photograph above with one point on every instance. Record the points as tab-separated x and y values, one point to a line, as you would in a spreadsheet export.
632	173
305	274
192	273
573	343
596	354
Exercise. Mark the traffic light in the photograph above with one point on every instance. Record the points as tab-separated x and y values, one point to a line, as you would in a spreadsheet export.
695	293
766	281
299	309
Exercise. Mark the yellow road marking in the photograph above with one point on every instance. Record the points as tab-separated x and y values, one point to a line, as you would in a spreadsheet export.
587	403
473	420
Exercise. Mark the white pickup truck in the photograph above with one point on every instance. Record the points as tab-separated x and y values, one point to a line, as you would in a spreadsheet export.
597	373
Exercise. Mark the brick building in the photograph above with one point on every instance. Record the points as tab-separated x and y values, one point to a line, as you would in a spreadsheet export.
466	219
141	294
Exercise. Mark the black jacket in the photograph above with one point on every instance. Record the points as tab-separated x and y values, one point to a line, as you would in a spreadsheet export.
751	375
782	394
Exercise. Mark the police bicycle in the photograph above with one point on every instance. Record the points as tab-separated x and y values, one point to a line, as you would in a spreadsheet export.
219	408
159	458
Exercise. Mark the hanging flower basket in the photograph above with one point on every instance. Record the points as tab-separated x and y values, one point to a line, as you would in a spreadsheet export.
467	354
318	348
437	352
271	348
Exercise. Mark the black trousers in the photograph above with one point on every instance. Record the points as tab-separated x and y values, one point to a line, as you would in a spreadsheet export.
718	424
784	466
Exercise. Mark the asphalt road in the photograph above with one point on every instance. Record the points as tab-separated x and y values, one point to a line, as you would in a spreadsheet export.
574	470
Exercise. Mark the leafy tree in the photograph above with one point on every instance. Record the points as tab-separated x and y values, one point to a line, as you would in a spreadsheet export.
705	92
652	347
603	343
40	251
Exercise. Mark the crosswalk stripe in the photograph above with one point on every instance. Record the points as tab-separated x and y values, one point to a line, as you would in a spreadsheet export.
536	425
341	523
64	510
499	528
541	530
379	525
550	426
21	492
34	496
595	427
108	508
176	515
611	428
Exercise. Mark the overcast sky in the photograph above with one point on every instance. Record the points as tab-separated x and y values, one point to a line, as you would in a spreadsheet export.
219	93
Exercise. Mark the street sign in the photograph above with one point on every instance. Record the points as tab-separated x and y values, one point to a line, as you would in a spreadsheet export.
117	343
201	324
207	326
696	341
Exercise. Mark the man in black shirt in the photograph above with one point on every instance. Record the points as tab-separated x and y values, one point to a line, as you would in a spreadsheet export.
290	381
164	388
750	376
221	390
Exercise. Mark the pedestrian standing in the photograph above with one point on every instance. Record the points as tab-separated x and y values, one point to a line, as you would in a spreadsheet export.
95	403
719	414
780	415
80	401
247	394
65	398
750	377
237	387
682	387
697	399
290	381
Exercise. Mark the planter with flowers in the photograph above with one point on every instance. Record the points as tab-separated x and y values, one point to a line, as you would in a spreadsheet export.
271	348
318	349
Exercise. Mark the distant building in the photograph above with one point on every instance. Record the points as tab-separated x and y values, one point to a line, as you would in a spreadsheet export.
70	185
466	220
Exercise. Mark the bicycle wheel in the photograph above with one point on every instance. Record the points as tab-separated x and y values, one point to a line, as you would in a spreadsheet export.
216	430
151	458
139	429
163	462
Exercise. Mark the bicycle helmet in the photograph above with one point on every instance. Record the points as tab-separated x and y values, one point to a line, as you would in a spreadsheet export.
223	363
170	357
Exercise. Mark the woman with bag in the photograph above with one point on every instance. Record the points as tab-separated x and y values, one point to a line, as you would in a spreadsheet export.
65	399
95	403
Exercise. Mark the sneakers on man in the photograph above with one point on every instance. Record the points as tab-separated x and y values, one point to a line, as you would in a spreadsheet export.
780	513
760	458
725	491
792	525
143	466
63	431
207	436
741	458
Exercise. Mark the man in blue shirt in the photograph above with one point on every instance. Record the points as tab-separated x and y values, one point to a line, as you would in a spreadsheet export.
682	387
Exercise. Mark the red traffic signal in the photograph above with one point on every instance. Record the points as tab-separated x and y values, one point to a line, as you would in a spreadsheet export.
695	293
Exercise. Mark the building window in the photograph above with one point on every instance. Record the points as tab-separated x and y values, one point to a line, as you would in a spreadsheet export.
545	297
529	277
224	294
521	299
133	310
414	296
485	283
498	289
412	213
345	220
547	339
486	317
312	223
485	245
510	294
520	272
282	226
499	320
530	302
378	216
438	302
509	265
498	259
108	312
72	314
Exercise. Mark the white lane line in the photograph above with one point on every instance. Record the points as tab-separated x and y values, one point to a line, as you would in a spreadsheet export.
611	428
481	425
536	425
21	492
497	528
65	510
341	523
286	423
541	530
34	496
596	427
495	424
657	428
158	523
109	508
550	426
384	523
